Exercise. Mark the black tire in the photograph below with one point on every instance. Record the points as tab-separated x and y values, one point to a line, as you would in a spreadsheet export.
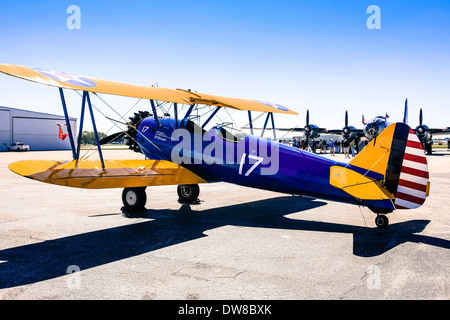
381	221
188	192
134	199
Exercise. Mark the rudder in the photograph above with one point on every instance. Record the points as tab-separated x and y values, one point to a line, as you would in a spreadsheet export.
413	181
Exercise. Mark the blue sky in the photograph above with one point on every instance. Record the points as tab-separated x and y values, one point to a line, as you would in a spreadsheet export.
316	55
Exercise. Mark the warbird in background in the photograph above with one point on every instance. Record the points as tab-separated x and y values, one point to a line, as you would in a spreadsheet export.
371	128
375	126
390	173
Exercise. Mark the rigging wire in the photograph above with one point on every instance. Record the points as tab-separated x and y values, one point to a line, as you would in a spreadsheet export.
85	155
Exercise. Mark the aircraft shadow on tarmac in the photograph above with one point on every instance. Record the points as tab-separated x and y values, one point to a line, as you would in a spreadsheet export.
50	259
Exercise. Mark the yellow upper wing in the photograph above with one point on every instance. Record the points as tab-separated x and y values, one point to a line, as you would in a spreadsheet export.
77	82
236	103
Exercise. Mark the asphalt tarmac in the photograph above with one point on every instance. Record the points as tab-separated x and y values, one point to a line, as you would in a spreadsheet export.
237	243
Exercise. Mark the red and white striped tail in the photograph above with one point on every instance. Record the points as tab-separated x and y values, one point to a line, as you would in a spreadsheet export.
413	180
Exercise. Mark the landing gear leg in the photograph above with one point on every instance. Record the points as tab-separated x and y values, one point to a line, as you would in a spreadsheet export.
134	200
188	193
381	221
429	147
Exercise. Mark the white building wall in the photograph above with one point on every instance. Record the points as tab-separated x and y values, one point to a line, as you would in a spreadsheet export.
5	129
38	130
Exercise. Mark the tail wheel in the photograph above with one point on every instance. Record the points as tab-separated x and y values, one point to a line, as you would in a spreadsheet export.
188	192
134	199
381	221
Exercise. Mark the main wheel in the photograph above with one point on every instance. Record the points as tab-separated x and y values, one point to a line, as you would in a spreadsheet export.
188	192
134	199
381	221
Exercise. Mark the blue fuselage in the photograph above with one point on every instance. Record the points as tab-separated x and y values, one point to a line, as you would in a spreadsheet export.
250	161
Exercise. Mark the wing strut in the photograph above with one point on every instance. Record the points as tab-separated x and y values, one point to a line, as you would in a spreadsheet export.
265	124
69	129
155	115
250	122
175	109
269	116
76	152
86	96
273	126
80	132
211	116
188	113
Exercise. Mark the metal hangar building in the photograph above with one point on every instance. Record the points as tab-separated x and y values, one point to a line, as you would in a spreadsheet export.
38	130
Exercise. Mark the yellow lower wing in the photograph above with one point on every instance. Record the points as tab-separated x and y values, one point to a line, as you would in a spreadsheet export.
118	174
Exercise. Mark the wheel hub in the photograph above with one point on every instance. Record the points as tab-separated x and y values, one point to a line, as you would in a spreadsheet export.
131	197
186	191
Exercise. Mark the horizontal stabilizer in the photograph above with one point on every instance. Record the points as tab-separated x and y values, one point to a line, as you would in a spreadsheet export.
358	185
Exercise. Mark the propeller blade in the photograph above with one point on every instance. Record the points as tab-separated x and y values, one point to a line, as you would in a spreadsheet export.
307	117
346	118
405	114
420	117
112	137
363	120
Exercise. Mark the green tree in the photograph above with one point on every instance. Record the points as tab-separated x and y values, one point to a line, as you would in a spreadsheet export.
88	137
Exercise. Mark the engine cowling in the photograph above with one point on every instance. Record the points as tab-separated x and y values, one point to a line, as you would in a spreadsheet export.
311	131
131	132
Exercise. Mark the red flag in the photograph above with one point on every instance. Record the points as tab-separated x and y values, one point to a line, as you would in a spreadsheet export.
61	135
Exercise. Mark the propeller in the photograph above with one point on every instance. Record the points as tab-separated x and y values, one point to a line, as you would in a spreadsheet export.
424	134
405	114
421	128
112	137
308	129
420	117
346	130
130	133
346	118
